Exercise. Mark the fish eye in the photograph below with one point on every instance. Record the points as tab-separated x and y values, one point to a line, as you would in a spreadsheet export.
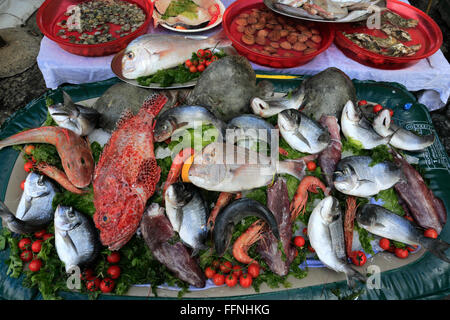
105	218
70	213
130	55
82	161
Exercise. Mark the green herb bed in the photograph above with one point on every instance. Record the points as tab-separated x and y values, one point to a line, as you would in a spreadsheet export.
425	278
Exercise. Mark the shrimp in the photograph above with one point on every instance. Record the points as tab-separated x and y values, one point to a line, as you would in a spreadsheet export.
298	204
349	219
222	201
245	241
175	169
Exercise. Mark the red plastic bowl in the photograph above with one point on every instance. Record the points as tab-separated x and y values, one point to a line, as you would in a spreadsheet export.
426	33
241	6
52	11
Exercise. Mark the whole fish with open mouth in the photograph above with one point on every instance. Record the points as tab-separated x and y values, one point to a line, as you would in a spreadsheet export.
225	167
386	224
399	137
151	52
302	133
75	117
176	119
248	129
271	106
328	241
10	221
355	177
158	233
76	239
187	212
233	214
36	202
356	127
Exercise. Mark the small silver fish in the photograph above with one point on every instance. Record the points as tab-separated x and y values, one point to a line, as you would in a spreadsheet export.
355	177
76	238
75	117
302	133
188	214
10	221
248	129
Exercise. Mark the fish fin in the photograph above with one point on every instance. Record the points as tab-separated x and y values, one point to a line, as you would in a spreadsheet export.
352	275
68	240
154	103
220	39
294	168
436	247
377	224
302	138
149	174
126	115
68	100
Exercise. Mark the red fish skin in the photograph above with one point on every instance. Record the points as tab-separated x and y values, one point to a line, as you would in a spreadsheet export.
156	231
329	158
417	196
278	203
74	151
59	176
126	175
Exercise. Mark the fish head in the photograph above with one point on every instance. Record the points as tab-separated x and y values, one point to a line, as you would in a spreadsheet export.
209	168
78	163
382	122
164	129
117	215
330	210
350	112
37	185
67	218
258	106
367	216
179	194
138	61
289	119
345	180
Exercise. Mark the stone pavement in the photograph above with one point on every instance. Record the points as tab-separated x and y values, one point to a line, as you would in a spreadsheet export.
16	91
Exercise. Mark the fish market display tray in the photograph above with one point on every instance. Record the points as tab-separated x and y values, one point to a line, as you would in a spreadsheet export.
420	276
427	33
51	12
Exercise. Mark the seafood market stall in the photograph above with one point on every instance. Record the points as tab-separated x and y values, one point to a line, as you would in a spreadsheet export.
114	185
431	74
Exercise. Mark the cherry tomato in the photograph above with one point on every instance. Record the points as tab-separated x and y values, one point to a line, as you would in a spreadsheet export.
36	246
358	258
87	274
253	270
35	265
391	112
40	234
299	241
412	248
47	236
208	62
377	108
29	149
209	272
362	102
25	244
385	244
107	285
245	280
93	284
195	62
214	58
22	185
28	166
193	69
113	272
311	249
26	256
201	61
226	266
113	257
311	166
430	233
200	52
201	68
207	54
401	253
188	63
305	231
215	264
218	279
231	280
237	271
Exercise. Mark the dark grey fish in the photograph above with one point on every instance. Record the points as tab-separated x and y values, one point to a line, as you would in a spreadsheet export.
76	238
386	224
10	221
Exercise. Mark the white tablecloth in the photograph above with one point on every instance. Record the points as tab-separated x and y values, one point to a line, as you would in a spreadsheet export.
432	74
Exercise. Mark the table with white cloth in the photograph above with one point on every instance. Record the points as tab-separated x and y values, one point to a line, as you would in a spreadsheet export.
431	76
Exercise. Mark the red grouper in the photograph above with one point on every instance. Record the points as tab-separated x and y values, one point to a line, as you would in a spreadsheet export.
278	203
157	233
126	175
329	158
74	151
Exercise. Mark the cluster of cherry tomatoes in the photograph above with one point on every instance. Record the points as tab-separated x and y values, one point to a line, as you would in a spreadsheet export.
203	58
28	166
223	272
30	248
376	108
106	284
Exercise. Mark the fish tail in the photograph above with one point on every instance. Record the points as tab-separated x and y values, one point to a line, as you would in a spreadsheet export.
436	247
352	276
220	39
294	168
